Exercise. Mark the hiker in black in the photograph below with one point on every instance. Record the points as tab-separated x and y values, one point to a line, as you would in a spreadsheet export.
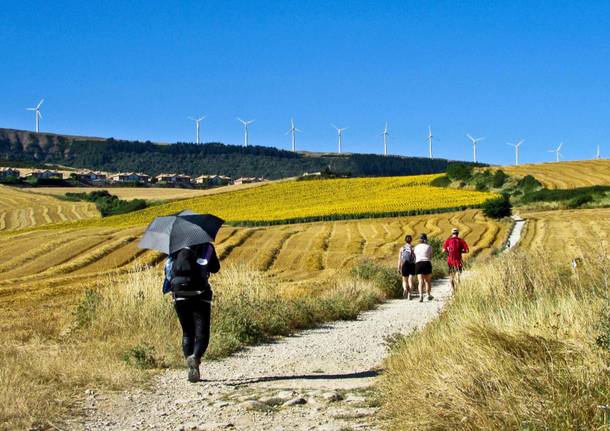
187	272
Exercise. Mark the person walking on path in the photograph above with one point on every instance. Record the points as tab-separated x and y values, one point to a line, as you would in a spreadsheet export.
186	277
406	266
423	267
454	246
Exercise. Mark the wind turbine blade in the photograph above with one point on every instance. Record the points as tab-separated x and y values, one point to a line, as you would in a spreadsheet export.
298	130
240	120
30	109
39	114
40	104
332	125
470	137
559	147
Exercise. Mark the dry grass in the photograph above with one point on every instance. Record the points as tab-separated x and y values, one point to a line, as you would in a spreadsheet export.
566	175
118	332
515	350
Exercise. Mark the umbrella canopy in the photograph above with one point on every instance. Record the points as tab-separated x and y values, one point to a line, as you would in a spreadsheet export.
174	232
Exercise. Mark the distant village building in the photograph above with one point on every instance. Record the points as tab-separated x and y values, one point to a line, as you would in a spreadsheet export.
130	177
6	173
173	179
248	180
47	175
90	176
213	180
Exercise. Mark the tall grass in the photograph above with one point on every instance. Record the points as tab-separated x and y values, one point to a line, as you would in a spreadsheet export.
117	334
523	346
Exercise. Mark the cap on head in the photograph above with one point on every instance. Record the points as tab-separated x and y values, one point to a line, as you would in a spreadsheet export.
455	231
423	237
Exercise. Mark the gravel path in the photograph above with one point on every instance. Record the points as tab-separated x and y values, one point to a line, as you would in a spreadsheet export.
317	380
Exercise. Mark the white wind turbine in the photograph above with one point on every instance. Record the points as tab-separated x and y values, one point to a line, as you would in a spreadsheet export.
246	123
557	152
293	131
385	134
37	113
598	155
517	145
430	137
197	123
339	135
474	145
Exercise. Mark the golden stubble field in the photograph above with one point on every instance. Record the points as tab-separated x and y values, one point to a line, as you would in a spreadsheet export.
564	234
20	209
566	175
46	262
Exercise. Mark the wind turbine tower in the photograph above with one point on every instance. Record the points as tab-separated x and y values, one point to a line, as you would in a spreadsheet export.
197	124
517	145
246	124
293	132
339	135
557	152
474	145
430	137
385	134
37	114
598	155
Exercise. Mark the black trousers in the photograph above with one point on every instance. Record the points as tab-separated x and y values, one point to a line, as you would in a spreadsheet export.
194	315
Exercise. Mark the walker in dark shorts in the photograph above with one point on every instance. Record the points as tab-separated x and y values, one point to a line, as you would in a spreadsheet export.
407	269
423	267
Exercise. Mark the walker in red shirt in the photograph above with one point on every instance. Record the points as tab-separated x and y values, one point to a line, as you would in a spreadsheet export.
454	247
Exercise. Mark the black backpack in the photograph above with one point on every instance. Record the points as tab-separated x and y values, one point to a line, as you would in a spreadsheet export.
188	278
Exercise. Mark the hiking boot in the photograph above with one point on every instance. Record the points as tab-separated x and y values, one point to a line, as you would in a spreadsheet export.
430	297
421	298
193	373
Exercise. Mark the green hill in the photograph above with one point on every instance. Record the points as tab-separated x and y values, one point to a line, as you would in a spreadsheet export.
23	147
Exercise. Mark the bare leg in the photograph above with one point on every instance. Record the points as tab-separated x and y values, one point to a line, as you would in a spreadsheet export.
429	285
420	286
405	287
410	281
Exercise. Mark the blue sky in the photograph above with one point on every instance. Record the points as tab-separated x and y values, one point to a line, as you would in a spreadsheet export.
507	70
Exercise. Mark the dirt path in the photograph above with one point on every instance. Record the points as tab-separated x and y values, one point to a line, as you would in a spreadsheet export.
316	380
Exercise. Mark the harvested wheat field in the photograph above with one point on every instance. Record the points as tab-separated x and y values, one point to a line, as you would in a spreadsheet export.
20	209
566	175
40	263
147	193
563	234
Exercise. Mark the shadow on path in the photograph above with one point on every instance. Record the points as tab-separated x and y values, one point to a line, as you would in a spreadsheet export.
321	376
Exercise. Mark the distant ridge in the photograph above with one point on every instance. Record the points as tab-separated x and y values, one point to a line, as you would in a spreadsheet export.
212	158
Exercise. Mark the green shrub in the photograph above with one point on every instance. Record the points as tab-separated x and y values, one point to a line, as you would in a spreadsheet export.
498	208
555	195
579	201
529	183
108	204
442	181
499	178
459	171
481	186
85	310
142	356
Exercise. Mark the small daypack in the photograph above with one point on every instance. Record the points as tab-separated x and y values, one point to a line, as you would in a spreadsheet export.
406	255
188	277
